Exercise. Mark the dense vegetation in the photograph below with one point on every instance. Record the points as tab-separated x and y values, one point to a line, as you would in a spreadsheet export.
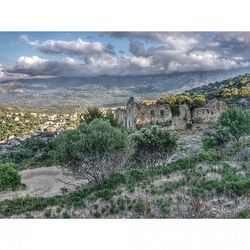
193	101
9	177
237	121
228	90
33	152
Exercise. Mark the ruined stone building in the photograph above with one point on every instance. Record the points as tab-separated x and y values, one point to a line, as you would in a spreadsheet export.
152	112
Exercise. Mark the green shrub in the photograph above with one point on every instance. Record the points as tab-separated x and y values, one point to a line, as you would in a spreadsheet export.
95	113
240	187
9	177
152	145
244	214
171	186
165	206
207	185
210	155
237	121
94	151
216	137
92	114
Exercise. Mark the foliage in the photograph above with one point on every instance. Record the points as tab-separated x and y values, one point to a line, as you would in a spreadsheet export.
9	177
198	101
245	214
31	153
216	137
112	119
153	145
92	114
95	113
193	101
94	151
243	91
237	121
210	155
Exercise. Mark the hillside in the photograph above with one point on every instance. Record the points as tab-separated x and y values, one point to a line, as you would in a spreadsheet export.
194	184
150	172
233	91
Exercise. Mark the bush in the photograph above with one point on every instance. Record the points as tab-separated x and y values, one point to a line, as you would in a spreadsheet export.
216	137
95	113
92	114
237	121
210	155
94	151
17	156
9	177
152	145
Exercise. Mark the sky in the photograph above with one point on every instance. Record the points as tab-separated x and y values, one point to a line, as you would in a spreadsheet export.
43	54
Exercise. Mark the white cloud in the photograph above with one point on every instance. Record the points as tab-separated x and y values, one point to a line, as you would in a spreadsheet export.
2	73
77	47
166	53
26	39
143	62
70	60
26	62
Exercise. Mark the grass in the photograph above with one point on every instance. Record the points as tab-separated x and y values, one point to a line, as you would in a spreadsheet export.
165	206
109	193
79	198
171	186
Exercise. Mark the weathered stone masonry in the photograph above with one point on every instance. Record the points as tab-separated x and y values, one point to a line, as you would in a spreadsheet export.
143	113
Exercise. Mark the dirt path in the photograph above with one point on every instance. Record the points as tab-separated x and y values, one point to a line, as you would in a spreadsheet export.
44	181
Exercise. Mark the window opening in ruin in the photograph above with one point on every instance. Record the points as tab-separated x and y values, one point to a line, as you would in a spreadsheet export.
152	112
162	113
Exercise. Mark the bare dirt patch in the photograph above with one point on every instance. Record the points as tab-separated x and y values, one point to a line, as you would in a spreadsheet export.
44	181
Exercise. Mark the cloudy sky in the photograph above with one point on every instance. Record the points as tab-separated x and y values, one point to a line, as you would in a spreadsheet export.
119	53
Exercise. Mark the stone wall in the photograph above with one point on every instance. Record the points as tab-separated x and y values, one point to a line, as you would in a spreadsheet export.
139	114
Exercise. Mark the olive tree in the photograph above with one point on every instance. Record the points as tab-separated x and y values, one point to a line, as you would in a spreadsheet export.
94	151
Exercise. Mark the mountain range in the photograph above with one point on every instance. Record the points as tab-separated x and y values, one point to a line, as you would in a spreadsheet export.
102	91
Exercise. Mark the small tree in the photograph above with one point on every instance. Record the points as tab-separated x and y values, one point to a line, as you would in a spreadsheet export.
95	113
237	121
9	177
94	151
153	145
92	114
